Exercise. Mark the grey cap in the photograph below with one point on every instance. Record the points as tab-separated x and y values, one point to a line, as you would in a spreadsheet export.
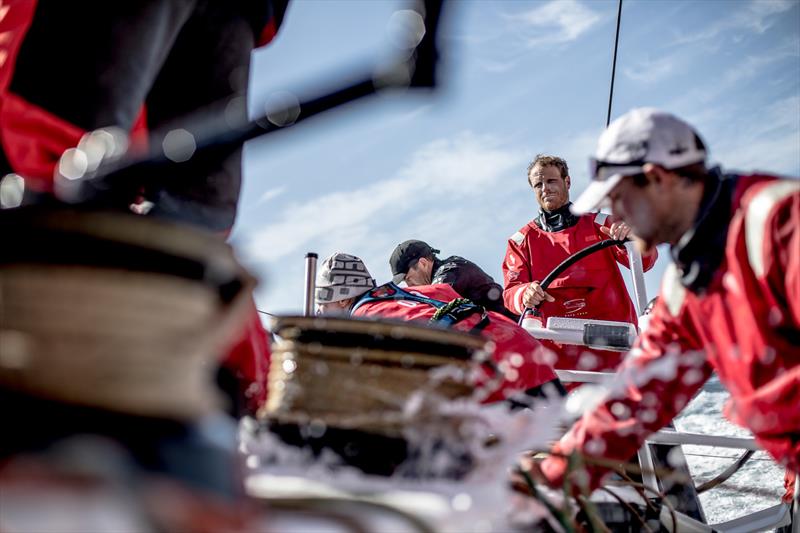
643	135
340	277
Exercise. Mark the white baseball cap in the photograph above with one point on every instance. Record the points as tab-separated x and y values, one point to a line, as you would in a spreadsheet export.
342	276
643	135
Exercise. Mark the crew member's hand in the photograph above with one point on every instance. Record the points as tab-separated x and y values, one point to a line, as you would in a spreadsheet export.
618	231
535	295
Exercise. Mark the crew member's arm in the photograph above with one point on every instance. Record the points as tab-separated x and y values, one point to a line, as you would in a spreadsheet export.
779	239
470	281
772	242
520	290
655	381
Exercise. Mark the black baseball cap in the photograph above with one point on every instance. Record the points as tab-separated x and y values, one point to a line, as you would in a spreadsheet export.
406	253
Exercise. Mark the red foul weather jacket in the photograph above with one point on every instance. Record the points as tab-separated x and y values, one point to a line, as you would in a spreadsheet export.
591	288
519	356
729	303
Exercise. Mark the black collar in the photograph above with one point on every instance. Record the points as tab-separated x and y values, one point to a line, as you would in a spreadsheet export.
700	251
557	219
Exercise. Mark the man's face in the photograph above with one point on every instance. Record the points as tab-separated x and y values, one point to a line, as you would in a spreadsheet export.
551	190
419	273
339	308
655	212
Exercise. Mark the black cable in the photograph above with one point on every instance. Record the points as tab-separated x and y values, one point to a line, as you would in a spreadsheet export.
614	64
727	473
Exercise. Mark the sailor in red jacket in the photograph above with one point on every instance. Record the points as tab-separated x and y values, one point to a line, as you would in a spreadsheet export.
344	286
592	288
729	303
71	75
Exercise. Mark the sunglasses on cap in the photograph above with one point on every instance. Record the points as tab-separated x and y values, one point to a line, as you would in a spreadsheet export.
602	170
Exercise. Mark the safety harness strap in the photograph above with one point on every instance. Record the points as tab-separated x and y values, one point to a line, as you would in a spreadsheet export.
448	313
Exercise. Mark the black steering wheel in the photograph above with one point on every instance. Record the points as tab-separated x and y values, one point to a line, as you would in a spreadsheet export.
565	264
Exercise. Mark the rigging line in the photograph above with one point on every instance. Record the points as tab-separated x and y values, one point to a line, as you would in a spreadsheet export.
614	64
265	312
766	459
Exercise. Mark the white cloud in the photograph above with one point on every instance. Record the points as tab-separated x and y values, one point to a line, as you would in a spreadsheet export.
698	99
752	64
769	143
757	16
467	166
650	71
496	67
556	22
269	194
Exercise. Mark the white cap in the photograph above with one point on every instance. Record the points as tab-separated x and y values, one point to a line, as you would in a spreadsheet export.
643	135
342	276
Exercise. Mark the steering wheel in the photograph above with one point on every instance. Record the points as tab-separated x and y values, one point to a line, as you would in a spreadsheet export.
565	264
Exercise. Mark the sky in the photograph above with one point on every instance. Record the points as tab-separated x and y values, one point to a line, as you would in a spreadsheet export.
516	79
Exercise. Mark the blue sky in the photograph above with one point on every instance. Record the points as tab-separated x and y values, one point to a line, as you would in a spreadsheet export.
518	78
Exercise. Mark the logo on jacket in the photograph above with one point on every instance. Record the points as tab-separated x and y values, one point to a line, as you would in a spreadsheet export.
575	305
382	291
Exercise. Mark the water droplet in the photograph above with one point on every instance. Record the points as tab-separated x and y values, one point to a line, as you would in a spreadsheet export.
317	428
650	399
12	189
675	457
692	376
461	502
73	164
647	415
179	145
588	361
406	28
236	113
15	349
314	347
282	108
620	410
289	365
494	294
595	446
768	357
774	317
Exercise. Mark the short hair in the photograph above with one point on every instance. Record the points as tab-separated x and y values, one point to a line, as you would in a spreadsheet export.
543	160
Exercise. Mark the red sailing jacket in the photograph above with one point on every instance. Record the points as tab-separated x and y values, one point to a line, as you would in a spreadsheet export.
520	356
743	321
591	288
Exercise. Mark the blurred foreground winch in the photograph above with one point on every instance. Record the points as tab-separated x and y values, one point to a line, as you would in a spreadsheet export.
115	311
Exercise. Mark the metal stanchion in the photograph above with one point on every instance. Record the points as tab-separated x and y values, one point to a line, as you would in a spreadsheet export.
311	275
637	276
